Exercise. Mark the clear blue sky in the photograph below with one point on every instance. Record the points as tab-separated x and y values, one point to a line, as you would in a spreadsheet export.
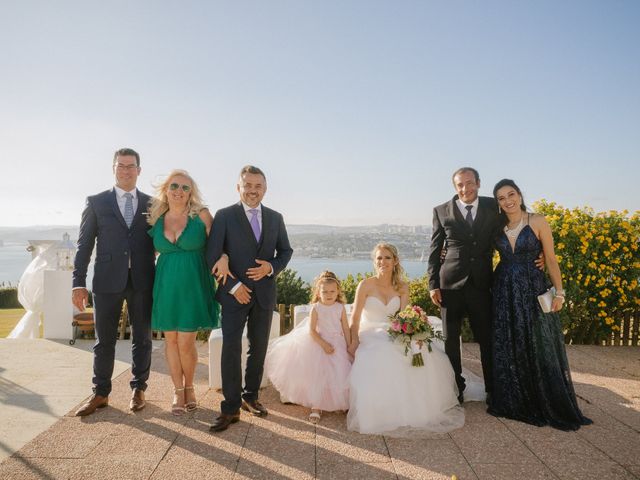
358	111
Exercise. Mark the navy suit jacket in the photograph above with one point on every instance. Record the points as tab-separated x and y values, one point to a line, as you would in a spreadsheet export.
102	225
231	234
468	251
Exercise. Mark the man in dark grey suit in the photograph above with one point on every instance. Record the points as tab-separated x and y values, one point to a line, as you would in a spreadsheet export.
460	269
255	239
113	221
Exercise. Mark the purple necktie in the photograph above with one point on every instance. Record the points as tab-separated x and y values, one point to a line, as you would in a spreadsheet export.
255	226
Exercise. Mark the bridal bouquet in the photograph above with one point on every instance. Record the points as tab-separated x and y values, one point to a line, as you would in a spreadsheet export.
411	327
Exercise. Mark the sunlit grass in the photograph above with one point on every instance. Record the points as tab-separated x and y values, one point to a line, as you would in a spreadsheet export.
9	317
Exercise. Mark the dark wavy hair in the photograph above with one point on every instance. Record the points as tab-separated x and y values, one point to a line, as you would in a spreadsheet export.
506	182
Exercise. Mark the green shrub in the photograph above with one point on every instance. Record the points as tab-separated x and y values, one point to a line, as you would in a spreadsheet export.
9	298
292	290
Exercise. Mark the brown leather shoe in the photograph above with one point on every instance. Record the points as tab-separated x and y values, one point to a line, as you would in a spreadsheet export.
137	400
254	407
223	421
96	401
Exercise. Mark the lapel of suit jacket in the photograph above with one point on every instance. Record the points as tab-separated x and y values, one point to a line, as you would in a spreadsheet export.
244	221
143	201
116	208
266	219
481	217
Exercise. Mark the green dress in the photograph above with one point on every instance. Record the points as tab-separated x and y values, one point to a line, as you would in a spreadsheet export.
183	291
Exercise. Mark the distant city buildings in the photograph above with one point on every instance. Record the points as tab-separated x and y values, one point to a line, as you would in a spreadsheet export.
356	242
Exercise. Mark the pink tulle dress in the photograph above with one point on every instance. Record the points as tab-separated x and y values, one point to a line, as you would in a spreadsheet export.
303	373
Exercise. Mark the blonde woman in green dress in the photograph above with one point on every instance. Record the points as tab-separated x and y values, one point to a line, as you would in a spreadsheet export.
184	289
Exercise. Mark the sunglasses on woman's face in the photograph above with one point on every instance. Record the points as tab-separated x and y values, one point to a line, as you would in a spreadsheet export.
176	186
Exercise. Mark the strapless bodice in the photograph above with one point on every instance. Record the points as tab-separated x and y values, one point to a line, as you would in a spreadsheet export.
375	313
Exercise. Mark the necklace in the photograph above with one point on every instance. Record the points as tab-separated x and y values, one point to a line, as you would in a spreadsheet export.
513	232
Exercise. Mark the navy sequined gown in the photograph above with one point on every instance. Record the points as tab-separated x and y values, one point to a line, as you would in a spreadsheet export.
531	377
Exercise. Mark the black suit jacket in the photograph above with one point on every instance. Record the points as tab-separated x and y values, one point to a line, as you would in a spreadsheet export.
231	234
468	251
102	225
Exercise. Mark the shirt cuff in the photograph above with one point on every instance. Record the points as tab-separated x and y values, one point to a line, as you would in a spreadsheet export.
235	287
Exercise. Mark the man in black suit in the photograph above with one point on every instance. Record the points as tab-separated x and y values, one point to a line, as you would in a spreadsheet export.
113	221
460	269
255	239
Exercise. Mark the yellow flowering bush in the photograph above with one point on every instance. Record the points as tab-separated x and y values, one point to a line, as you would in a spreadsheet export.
600	262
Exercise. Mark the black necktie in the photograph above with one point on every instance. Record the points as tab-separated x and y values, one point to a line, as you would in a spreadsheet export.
469	217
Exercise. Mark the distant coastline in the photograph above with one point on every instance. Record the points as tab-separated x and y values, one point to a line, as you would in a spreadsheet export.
343	250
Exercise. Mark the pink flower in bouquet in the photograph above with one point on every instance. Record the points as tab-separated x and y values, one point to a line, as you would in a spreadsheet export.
407	328
395	326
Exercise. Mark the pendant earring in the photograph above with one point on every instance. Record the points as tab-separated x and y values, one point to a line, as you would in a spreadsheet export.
499	209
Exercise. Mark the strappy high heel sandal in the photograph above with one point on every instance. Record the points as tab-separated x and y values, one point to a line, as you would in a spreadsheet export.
192	405
176	408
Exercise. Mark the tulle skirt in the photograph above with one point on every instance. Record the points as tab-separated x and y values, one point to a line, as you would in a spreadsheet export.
390	396
304	374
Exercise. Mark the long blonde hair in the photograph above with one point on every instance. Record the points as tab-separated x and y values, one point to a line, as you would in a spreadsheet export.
327	277
398	275
160	204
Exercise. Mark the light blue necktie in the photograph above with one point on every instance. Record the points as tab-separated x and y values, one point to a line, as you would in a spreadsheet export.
128	209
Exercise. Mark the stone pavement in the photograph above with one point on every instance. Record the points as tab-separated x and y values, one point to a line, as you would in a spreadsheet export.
153	444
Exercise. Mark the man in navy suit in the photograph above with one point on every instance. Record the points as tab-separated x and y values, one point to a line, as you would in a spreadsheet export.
114	222
460	269
255	239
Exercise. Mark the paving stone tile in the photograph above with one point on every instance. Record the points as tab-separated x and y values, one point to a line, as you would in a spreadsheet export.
510	471
496	444
576	459
437	471
117	467
634	469
69	438
277	458
277	424
336	446
291	451
423	452
355	470
20	468
615	439
189	458
428	458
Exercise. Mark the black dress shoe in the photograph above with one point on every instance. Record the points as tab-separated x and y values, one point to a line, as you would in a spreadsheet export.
488	399
254	407
223	421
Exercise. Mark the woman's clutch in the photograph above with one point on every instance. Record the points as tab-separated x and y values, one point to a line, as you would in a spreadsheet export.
546	299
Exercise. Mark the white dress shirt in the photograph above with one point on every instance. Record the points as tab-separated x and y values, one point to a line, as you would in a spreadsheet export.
463	210
122	201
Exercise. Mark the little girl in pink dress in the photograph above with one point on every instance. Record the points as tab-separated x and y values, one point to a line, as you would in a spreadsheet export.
310	365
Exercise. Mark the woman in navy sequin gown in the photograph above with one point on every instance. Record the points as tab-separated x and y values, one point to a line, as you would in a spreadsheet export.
531	377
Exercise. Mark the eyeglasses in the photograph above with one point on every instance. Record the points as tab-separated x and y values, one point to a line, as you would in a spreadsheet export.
176	186
122	166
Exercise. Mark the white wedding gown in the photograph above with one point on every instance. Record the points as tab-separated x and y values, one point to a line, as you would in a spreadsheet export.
390	396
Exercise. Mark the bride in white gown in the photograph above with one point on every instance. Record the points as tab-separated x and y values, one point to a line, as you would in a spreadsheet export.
387	394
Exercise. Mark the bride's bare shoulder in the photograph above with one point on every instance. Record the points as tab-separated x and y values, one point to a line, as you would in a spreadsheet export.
366	285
